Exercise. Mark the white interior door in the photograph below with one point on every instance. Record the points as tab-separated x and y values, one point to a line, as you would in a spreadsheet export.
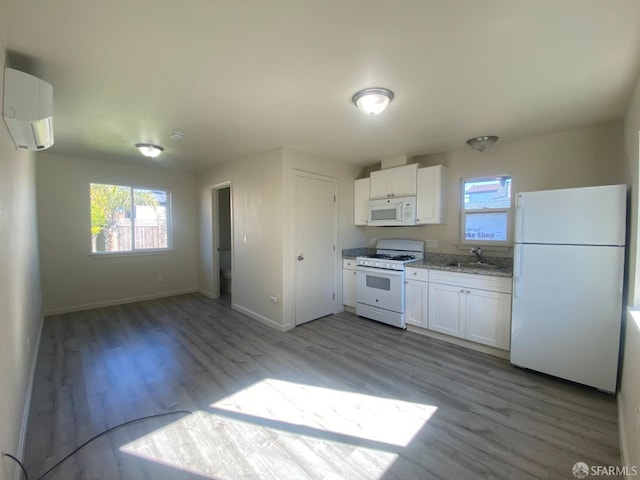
315	235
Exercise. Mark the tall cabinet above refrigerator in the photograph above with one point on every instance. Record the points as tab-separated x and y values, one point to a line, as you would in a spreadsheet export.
568	281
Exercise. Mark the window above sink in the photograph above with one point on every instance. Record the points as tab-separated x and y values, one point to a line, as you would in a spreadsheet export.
485	217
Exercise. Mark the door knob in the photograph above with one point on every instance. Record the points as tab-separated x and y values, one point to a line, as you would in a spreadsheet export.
300	258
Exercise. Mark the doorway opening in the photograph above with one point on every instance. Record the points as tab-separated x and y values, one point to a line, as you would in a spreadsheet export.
223	267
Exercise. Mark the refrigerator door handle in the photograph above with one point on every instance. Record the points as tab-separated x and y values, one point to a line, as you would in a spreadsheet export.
519	224
517	271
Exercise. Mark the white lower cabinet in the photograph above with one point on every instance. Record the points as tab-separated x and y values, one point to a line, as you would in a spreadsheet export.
416	302
488	318
416	296
474	307
446	309
469	306
349	283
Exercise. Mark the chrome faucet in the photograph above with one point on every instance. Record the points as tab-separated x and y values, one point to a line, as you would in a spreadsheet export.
477	251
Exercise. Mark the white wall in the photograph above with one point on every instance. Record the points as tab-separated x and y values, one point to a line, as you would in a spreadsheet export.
573	158
72	278
629	393
20	299
262	195
257	206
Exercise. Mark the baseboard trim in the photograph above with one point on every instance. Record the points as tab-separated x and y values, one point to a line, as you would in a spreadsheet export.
24	424
206	293
622	435
118	301
260	318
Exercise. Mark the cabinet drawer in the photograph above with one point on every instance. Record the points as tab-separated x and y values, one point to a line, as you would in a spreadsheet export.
421	274
347	263
470	280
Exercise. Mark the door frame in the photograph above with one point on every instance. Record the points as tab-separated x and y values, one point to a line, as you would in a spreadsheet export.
334	181
215	236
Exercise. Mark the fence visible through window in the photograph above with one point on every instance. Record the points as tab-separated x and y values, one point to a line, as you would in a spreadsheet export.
125	219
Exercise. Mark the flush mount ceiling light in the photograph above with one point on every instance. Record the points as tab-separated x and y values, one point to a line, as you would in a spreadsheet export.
372	101
482	143
149	150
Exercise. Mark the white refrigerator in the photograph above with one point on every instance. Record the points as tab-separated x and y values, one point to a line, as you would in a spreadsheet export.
567	283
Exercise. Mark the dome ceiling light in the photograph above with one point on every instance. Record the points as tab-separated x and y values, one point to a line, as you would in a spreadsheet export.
149	150
372	101
482	143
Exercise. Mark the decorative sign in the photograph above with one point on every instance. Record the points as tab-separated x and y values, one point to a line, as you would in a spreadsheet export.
486	227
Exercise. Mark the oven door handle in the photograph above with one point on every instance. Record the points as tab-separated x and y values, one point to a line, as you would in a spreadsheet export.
380	271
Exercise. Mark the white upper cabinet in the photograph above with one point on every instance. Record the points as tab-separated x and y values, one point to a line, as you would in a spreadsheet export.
360	201
430	200
394	182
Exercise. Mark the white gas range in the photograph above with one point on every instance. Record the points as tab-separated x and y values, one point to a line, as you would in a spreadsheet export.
380	280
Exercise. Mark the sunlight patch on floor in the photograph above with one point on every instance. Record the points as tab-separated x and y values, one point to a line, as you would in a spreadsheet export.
363	416
279	429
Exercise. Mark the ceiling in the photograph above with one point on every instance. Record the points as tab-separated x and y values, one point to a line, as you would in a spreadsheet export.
239	77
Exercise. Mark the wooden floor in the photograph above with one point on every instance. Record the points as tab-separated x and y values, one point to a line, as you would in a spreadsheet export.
339	397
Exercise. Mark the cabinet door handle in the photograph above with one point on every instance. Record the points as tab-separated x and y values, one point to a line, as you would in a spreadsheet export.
468	291
462	290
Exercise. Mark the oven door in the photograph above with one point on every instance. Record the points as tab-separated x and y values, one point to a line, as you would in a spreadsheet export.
380	288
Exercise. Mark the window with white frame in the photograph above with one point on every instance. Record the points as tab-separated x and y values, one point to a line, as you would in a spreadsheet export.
129	219
486	210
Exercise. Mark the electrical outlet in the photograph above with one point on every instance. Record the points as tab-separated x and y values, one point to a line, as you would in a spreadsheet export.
160	278
372	242
28	345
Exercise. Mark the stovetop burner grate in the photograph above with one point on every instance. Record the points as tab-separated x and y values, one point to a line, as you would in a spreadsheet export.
403	258
385	256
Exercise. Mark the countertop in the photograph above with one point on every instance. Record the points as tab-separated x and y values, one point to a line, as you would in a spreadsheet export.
503	272
443	261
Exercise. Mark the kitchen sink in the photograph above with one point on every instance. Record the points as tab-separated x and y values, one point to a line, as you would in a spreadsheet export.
477	265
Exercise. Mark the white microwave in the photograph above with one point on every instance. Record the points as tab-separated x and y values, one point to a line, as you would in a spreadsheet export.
392	212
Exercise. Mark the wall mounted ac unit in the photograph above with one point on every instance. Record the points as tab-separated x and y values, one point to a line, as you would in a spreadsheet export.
28	110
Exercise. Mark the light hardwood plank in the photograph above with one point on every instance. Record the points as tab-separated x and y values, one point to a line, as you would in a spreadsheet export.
252	390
